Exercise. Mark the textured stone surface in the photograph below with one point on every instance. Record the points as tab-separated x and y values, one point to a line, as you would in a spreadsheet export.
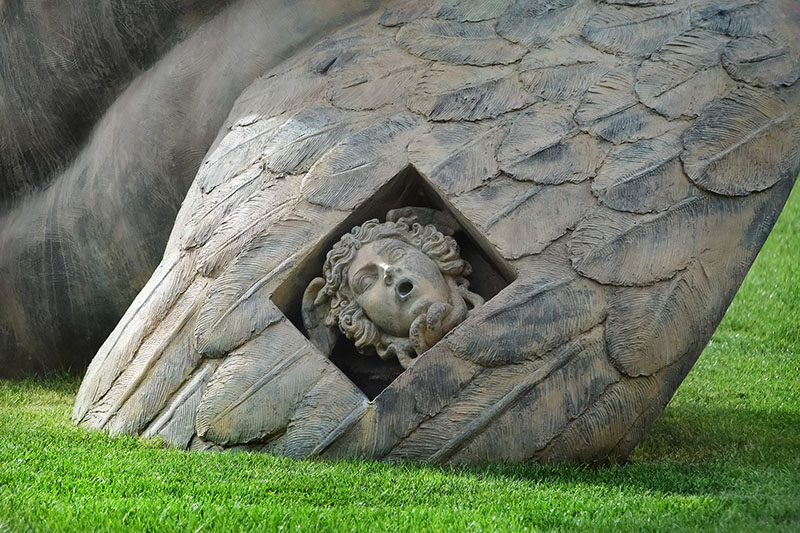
622	209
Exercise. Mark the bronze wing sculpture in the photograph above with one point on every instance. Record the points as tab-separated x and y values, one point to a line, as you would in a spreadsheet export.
613	168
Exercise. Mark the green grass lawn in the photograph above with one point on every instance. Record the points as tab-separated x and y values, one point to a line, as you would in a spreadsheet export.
724	456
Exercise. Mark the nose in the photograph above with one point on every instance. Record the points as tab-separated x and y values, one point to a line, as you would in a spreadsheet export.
389	273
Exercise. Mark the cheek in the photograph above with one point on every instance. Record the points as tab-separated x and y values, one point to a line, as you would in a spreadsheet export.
432	276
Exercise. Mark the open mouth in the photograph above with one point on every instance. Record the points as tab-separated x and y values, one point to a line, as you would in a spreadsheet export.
404	289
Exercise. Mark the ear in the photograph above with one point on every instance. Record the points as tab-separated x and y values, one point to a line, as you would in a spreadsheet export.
321	336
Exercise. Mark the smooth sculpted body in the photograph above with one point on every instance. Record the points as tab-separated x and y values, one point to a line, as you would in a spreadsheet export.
393	288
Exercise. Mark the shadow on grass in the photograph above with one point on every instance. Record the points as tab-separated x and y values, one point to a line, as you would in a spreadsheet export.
744	436
690	450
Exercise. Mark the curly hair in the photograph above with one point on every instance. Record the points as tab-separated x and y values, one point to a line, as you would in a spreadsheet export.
345	312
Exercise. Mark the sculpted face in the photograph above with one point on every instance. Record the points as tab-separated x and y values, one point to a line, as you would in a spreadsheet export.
385	294
394	283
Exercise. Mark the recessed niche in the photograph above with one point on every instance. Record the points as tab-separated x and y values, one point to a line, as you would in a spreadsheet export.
490	273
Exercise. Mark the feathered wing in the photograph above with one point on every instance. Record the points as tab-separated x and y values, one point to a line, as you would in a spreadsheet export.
625	159
576	364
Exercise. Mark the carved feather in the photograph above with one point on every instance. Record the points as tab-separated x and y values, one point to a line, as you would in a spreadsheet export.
567	82
644	176
480	205
646	327
635	30
641	3
356	45
612	94
352	171
528	417
463	43
685	75
209	210
630	125
163	375
256	389
610	109
626	249
408	11
490	407
557	153
734	18
528	320
561	206
236	153
250	219
305	136
416	395
175	424
169	282
278	93
539	22
762	61
380	80
570	51
468	93
238	304
471	11
458	157
286	144
552	123
744	143
161	362
604	423
323	411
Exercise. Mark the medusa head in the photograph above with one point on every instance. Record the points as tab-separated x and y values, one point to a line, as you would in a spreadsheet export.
394	288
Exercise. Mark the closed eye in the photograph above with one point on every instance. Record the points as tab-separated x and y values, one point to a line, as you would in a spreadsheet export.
363	281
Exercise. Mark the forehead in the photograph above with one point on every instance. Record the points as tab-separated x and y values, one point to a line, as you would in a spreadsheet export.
374	252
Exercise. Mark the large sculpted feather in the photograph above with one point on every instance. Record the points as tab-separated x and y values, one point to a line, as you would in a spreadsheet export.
558	153
458	157
646	325
761	61
644	176
685	75
621	162
627	249
636	30
466	43
516	204
353	170
249	219
530	320
380	80
469	11
219	203
610	109
747	134
238	304
540	22
151	306
546	388
454	93
254	392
